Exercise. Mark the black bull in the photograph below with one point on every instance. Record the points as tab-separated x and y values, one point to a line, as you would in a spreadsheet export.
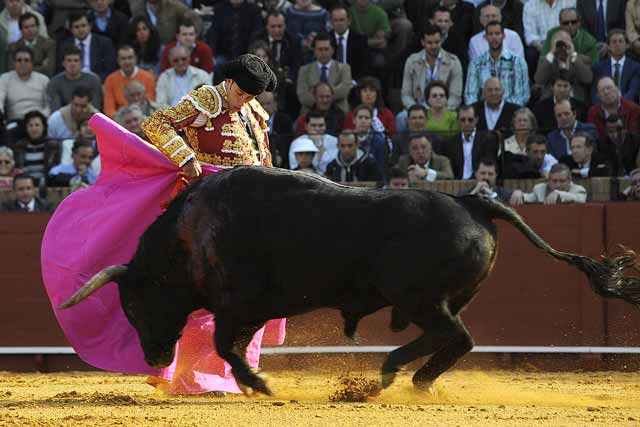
252	244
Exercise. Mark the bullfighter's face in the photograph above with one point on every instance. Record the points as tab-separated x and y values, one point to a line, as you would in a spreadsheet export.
157	318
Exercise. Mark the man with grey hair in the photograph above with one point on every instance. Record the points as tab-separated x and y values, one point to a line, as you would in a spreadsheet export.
136	93
479	44
131	118
558	189
494	113
181	78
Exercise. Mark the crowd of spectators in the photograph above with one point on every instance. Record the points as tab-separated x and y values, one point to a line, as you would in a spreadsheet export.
396	91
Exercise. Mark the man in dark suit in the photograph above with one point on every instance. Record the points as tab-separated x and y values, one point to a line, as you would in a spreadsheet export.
349	47
558	140
286	52
98	53
620	147
494	113
469	146
589	11
583	161
561	89
624	71
25	199
233	25
107	21
485	176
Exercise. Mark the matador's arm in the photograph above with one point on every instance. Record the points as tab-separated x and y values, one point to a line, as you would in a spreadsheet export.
161	127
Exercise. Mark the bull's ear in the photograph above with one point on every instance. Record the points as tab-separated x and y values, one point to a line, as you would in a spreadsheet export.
96	282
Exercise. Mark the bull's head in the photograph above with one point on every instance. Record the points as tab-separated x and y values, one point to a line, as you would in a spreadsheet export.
157	312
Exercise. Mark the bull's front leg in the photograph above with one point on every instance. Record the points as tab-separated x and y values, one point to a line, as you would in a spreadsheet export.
231	344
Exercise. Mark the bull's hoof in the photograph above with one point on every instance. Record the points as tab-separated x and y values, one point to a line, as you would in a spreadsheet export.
356	338
387	379
425	387
260	386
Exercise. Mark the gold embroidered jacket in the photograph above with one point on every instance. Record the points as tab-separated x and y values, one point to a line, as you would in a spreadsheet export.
215	134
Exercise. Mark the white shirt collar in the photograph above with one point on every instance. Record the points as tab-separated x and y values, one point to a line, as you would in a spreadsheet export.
31	206
620	61
471	138
345	36
499	109
86	41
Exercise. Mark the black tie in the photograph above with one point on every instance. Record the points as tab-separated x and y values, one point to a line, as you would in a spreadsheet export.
341	49
616	74
275	51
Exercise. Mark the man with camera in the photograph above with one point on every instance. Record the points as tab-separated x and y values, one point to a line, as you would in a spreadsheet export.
564	57
583	42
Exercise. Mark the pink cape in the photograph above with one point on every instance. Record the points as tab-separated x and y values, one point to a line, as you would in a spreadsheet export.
100	226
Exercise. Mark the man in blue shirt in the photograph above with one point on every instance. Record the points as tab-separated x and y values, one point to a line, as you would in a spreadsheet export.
500	63
77	174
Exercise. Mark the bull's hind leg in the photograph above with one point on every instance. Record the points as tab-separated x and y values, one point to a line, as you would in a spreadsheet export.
459	344
231	344
439	329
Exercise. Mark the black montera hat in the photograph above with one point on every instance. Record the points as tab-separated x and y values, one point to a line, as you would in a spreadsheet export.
250	73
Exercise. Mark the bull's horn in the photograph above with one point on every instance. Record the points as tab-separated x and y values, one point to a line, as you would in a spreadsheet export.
96	282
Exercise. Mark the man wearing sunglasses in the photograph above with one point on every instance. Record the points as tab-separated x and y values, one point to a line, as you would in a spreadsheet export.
182	77
583	42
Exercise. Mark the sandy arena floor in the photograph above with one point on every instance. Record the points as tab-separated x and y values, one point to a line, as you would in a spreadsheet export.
461	398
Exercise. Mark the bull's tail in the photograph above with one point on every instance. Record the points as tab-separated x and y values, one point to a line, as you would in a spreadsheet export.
607	277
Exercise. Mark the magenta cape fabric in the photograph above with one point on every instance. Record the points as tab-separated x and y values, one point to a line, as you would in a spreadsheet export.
100	226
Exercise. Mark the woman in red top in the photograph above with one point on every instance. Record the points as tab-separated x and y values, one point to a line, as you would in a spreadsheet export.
369	93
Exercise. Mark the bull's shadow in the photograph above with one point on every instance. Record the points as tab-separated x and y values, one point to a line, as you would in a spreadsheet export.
245	244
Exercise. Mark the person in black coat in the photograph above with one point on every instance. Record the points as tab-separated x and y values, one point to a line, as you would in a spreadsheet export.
352	164
286	52
620	147
483	144
102	54
583	161
24	197
493	94
357	48
561	88
232	29
108	22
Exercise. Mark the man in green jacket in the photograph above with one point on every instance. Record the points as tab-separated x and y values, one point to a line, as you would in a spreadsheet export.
583	42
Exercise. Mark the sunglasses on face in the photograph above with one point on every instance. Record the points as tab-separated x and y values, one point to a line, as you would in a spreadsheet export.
23	60
572	22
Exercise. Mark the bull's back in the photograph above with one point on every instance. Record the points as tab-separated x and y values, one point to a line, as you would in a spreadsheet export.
307	234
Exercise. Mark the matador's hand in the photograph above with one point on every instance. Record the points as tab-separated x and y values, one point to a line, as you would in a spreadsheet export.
192	169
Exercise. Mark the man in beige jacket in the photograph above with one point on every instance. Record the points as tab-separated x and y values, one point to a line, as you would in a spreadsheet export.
558	189
422	163
432	63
